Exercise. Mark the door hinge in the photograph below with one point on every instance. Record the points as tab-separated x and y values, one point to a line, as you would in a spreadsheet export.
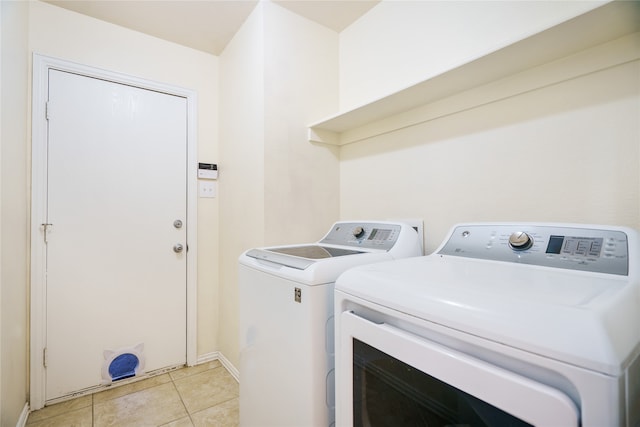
44	357
45	228
46	110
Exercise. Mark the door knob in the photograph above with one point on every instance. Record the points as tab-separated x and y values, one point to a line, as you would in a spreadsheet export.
177	248
177	223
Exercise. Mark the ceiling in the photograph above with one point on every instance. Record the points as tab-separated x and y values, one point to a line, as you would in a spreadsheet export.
208	25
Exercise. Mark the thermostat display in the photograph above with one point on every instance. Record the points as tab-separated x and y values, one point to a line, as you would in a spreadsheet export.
207	171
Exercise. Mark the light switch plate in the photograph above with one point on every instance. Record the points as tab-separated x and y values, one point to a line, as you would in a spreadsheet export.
207	189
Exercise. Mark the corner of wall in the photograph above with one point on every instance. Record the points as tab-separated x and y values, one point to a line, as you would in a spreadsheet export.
13	211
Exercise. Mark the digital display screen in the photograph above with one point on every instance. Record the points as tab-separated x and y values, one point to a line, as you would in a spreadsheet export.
379	234
555	244
575	246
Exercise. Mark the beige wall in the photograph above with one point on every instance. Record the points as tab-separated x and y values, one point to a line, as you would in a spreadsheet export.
14	212
279	73
563	152
242	167
301	84
400	43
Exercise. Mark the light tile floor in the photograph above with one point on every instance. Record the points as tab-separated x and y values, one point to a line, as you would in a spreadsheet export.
199	396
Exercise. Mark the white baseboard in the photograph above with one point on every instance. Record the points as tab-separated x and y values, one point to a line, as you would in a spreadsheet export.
216	355
204	358
229	366
22	421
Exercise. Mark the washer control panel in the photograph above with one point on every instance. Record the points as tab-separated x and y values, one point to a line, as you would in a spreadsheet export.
371	235
598	250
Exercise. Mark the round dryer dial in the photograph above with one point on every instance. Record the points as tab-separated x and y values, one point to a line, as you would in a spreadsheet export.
520	241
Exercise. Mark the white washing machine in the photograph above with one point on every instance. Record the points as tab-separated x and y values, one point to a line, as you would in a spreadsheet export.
505	324
286	319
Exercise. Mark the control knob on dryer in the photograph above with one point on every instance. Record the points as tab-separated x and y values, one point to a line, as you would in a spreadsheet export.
358	232
520	241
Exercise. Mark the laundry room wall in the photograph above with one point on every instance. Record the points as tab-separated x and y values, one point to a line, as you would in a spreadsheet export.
301	83
14	212
242	166
279	73
400	43
67	35
562	152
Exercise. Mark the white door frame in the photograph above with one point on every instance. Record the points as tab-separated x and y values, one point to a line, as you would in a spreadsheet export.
41	66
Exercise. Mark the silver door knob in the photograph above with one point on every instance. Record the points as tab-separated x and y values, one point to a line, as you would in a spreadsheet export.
177	223
177	248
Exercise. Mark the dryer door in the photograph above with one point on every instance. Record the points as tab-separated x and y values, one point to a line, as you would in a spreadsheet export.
392	377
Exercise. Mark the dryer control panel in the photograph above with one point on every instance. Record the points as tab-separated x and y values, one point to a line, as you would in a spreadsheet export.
600	250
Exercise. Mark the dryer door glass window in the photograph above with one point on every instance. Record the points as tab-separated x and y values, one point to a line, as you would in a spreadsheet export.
388	392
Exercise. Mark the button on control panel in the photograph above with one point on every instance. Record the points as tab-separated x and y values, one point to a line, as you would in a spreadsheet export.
588	249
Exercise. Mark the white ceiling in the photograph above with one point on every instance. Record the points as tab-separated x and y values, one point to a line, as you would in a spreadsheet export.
208	25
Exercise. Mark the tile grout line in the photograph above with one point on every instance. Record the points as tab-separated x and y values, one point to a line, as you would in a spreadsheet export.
182	400
190	415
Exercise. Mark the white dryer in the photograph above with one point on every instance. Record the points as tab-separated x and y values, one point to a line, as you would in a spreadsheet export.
505	324
286	319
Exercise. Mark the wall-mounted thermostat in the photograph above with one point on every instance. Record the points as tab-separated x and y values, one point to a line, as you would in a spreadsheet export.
207	171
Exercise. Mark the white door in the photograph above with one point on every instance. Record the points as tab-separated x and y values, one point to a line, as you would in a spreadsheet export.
116	187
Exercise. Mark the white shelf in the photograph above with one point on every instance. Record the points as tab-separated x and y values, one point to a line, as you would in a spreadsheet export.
409	106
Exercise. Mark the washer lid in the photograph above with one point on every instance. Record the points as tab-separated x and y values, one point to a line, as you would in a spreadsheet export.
299	257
